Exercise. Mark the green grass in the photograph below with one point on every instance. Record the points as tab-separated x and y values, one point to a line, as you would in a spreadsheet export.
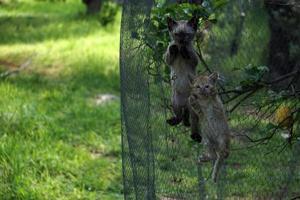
55	142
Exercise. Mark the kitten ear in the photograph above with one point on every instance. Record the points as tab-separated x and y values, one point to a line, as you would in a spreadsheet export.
171	23
194	22
213	77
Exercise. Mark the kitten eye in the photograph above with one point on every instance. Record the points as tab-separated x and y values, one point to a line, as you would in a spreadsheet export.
206	86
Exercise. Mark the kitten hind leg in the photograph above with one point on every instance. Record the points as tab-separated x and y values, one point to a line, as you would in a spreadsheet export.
173	121
186	117
195	132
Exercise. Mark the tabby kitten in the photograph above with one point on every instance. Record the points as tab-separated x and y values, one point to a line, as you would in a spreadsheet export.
183	60
205	101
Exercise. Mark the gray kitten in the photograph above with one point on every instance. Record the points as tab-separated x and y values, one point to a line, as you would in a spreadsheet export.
183	60
205	101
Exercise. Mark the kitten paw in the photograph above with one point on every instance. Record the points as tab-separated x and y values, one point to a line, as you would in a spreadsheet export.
173	50
173	121
184	53
196	137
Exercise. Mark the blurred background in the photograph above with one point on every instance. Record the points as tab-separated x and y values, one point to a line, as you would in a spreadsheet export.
59	102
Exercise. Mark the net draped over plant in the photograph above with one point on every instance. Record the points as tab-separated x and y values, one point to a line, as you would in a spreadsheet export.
254	46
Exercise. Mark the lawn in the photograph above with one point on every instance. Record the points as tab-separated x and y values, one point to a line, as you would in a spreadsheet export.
56	142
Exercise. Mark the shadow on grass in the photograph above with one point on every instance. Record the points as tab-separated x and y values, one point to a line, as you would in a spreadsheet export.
89	80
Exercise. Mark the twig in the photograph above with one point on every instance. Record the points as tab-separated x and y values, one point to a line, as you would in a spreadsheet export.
247	147
199	53
282	78
256	86
202	59
296	197
282	3
243	99
18	70
274	131
232	91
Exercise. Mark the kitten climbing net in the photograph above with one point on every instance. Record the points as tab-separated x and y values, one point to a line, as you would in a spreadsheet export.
159	161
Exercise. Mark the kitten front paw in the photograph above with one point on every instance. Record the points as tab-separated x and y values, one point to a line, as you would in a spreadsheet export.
173	50
184	53
196	137
173	121
192	99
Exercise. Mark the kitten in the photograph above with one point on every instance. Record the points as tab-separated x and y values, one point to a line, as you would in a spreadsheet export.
205	101
183	60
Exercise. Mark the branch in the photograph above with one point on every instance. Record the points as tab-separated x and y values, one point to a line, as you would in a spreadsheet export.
199	53
296	197
243	99
283	77
201	58
274	131
259	85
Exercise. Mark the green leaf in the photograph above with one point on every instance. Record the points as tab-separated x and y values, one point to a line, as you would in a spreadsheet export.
219	4
270	126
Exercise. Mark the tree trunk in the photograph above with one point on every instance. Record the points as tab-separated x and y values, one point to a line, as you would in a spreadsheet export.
283	24
235	43
92	6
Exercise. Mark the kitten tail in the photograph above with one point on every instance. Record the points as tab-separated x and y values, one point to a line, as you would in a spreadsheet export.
216	168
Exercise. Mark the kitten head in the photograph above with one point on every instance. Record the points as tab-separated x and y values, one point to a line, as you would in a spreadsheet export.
205	86
183	32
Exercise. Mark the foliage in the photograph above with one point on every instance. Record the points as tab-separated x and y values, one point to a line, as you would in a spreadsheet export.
53	1
282	116
253	74
108	12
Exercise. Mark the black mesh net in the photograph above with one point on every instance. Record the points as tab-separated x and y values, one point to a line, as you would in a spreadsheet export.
160	161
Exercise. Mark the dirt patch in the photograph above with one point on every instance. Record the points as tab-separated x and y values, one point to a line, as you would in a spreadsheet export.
8	65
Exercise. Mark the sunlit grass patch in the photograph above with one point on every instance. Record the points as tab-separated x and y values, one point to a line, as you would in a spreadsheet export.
55	144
